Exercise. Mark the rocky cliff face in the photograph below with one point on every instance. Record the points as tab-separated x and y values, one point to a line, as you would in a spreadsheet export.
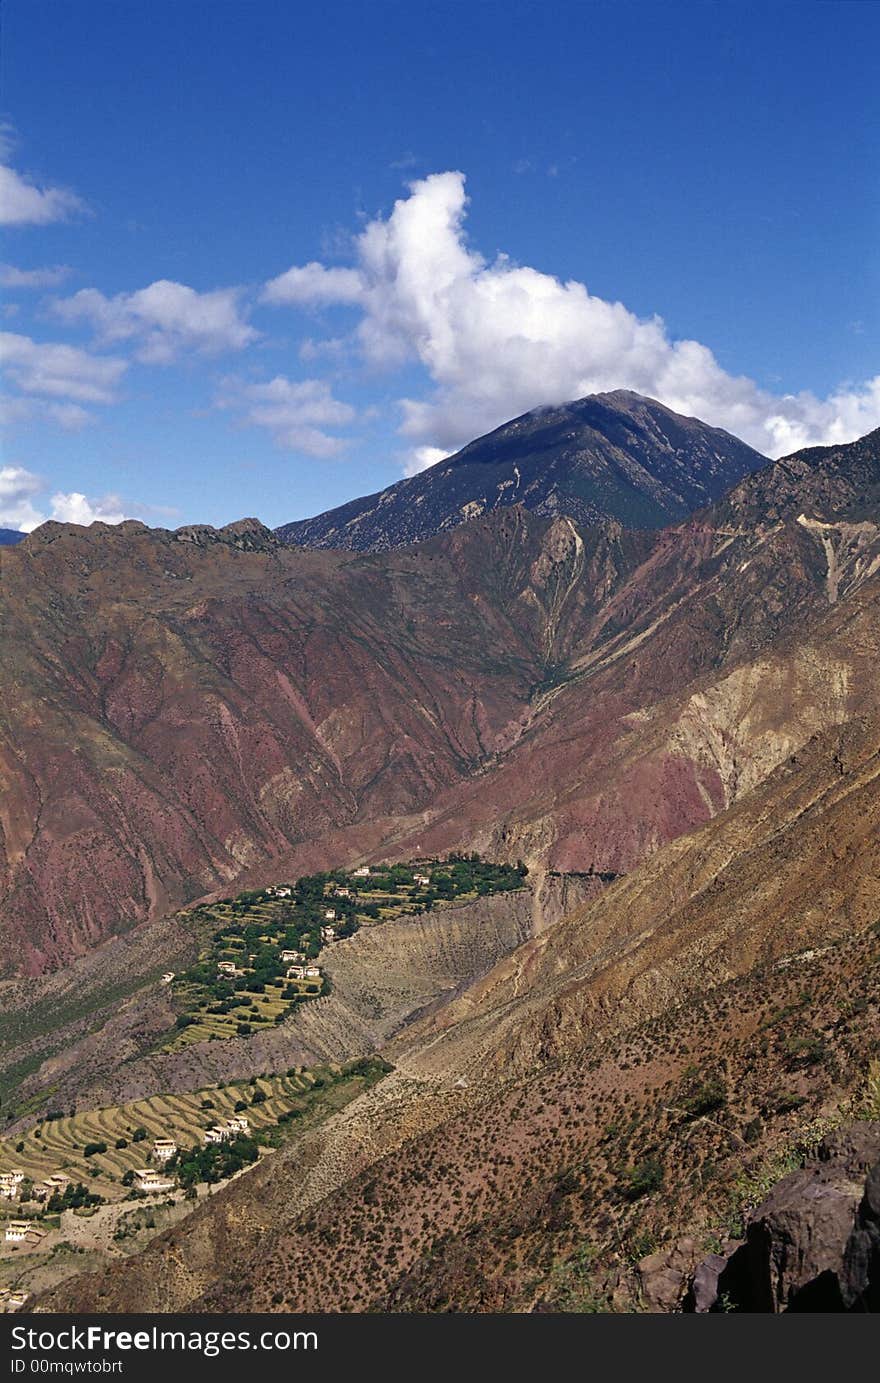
610	456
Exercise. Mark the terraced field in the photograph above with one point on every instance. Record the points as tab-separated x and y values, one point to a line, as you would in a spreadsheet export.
240	983
58	1144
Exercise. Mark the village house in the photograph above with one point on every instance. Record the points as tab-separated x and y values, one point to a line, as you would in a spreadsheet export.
330	915
11	1300
295	972
168	977
220	1133
283	892
312	973
288	956
227	967
57	1182
423	879
10	1184
18	1230
362	873
148	1179
328	933
163	1148
342	893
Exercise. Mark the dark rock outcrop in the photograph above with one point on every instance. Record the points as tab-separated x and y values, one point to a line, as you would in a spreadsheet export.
813	1245
248	535
663	1276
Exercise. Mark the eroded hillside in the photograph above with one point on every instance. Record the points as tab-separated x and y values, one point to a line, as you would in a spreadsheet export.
180	710
582	1109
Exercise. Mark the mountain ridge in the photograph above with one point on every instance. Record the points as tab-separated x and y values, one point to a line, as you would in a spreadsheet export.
616	456
519	684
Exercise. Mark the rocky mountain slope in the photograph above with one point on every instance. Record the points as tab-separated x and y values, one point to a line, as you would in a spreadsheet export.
586	1124
178	707
181	709
86	1036
814	1244
610	456
592	1117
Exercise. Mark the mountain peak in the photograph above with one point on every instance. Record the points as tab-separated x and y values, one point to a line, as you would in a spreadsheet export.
615	455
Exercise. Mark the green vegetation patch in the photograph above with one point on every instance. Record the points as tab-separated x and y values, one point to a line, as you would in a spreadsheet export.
253	971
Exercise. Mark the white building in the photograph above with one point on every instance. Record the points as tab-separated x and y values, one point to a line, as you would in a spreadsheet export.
288	956
283	892
164	1148
18	1230
148	1179
10	1184
423	879
57	1182
221	1133
11	1300
328	933
362	873
329	914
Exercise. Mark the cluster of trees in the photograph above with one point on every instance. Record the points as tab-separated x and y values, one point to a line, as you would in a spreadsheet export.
73	1197
214	1162
457	875
255	944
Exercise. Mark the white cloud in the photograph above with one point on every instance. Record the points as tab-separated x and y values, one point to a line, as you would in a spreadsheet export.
19	488
497	339
296	412
24	203
420	458
59	371
70	417
164	319
76	508
313	285
11	277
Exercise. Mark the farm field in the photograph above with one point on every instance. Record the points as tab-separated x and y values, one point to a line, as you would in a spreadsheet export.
265	951
57	1145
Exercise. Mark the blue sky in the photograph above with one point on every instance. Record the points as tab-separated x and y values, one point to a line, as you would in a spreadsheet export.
261	257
